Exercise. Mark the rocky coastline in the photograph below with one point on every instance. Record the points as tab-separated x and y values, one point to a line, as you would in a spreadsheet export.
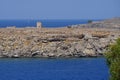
73	41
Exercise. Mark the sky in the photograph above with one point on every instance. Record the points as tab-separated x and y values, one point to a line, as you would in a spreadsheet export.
59	9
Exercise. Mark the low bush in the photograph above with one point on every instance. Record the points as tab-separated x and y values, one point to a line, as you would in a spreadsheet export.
113	60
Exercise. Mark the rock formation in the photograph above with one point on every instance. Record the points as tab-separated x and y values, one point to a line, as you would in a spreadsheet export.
56	42
113	23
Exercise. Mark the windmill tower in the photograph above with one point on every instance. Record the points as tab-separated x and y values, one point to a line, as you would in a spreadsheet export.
39	25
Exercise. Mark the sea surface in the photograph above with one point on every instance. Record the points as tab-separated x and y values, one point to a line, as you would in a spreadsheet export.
53	69
45	23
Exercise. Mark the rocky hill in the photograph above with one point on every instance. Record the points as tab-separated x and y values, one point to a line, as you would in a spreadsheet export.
56	42
113	23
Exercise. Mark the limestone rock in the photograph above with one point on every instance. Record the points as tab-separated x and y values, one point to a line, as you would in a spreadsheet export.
58	42
89	52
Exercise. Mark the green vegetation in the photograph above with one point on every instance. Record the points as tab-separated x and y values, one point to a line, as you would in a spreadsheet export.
113	60
90	21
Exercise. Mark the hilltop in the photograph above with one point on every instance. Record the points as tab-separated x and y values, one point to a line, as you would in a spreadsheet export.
113	23
76	41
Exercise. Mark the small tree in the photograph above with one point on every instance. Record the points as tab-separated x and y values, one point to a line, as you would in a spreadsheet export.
113	60
90	21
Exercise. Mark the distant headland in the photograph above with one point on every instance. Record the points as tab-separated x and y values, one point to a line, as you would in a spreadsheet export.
85	40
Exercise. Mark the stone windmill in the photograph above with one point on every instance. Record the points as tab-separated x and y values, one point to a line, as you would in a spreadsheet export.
39	25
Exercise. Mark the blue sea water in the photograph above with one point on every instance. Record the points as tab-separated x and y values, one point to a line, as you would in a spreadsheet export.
46	23
51	69
54	69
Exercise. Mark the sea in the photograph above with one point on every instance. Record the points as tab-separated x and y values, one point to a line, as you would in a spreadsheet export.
51	69
54	69
45	23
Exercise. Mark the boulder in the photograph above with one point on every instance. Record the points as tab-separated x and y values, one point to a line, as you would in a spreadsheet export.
87	36
89	46
15	56
35	53
89	52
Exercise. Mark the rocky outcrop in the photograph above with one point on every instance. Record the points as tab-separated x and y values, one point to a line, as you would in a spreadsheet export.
59	42
17	45
107	24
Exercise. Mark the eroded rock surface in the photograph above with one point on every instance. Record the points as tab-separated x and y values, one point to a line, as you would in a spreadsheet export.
58	42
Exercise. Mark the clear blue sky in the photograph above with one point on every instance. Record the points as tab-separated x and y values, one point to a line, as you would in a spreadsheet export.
59	9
